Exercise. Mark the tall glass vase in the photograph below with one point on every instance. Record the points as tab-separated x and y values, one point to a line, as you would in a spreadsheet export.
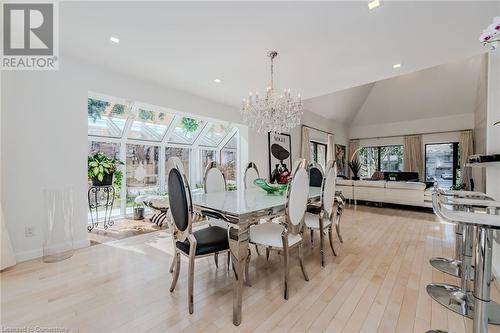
58	230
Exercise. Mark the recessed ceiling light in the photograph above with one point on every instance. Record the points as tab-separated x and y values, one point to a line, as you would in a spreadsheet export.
114	39
373	4
396	66
217	80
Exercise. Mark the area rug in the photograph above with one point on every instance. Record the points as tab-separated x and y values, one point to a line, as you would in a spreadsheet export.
121	229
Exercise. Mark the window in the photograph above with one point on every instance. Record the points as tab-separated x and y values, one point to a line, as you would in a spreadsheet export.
369	159
228	160
391	158
110	149
105	118
187	130
318	153
383	158
442	164
141	171
183	154
140	134
150	125
214	136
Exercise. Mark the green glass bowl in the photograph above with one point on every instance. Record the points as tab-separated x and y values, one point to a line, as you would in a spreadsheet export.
270	188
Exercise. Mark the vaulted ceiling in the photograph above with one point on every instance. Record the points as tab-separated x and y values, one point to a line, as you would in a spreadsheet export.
444	90
323	47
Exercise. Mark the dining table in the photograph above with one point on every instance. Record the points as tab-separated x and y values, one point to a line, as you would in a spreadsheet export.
238	210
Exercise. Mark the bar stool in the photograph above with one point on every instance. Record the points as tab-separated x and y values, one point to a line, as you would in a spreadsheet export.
477	304
454	266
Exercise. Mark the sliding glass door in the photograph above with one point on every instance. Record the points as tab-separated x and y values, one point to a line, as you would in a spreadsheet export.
441	164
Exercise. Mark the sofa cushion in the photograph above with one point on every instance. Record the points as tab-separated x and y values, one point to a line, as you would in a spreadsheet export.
406	185
370	183
344	182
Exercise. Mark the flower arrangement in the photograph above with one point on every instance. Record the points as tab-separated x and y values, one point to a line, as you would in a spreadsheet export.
490	35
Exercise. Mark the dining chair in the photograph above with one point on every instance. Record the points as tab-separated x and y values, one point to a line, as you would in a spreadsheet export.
327	215
192	244
251	174
288	233
315	180
315	174
214	180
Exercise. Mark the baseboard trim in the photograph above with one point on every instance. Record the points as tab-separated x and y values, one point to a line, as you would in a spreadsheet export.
38	253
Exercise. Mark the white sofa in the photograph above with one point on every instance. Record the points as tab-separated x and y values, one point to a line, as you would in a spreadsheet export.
395	192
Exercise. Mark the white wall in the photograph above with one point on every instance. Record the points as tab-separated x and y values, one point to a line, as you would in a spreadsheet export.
428	125
44	138
493	139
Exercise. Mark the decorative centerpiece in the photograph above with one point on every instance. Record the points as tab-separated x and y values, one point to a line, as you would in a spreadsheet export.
270	188
101	169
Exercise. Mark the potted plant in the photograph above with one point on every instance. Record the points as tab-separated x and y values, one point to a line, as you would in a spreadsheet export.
100	169
355	166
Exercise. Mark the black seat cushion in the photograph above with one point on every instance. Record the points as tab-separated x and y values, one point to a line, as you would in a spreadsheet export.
209	240
314	209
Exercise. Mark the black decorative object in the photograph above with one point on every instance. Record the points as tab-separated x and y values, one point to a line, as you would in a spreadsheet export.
280	157
100	197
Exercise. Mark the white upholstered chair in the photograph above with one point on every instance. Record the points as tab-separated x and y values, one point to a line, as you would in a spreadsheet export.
288	233
214	180
251	174
326	217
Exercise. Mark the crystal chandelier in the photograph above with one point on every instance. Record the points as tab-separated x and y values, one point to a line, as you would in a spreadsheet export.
272	112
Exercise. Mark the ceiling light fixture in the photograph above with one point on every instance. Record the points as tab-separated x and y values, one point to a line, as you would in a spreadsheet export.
114	39
217	80
373	4
396	66
273	112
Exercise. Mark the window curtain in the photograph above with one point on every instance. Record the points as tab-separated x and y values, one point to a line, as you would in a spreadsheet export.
413	161
353	153
330	147
306	144
466	148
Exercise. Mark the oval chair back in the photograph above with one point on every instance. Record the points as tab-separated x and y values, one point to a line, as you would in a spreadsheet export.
251	174
315	175
214	180
179	199
297	196
328	191
295	165
173	162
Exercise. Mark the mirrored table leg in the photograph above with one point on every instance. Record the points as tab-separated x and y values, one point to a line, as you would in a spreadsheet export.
239	246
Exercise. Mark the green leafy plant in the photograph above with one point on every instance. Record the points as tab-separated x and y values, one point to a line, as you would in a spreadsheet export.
146	115
99	165
190	125
355	167
118	109
95	108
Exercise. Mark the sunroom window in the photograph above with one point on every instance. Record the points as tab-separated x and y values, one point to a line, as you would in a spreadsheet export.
142	171
150	125
105	118
187	130
214	136
145	136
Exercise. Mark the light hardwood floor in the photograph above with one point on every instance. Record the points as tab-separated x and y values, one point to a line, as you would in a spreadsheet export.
375	284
